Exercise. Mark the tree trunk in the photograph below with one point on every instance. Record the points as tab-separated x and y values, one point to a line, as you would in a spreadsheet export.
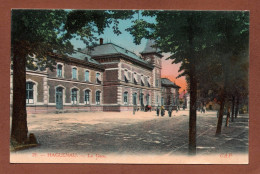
228	115
237	107
193	89
221	111
233	108
193	115
19	116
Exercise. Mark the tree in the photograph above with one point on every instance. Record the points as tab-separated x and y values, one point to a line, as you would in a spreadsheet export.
232	30
35	34
201	43
186	36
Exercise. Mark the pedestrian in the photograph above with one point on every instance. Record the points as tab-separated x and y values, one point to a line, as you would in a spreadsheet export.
157	111
134	110
162	110
170	111
204	109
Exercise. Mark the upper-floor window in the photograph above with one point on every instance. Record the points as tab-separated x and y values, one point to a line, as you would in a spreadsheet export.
98	97
29	92
135	78
59	70
74	73
125	98
142	80
98	78
87	96
87	76
126	76
157	83
74	96
148	82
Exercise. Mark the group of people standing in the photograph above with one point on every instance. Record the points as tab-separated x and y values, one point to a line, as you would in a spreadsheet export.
162	109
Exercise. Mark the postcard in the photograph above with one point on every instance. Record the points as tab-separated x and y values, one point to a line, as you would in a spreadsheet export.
129	86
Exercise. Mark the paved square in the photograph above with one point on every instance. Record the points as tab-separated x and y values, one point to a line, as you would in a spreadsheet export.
144	132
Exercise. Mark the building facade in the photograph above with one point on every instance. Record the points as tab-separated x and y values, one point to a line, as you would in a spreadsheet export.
104	78
170	93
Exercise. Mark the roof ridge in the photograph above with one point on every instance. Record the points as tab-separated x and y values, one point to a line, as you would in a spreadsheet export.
115	48
123	48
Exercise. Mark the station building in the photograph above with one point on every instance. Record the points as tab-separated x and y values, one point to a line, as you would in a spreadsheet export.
106	77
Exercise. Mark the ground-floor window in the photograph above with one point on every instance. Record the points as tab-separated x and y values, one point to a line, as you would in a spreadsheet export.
147	99
142	99
134	99
98	97
87	94
74	96
125	98
162	101
29	92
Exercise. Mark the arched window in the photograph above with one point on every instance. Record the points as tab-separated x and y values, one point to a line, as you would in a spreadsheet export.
74	96
29	92
74	73
135	99
87	76
125	98
59	70
87	96
98	97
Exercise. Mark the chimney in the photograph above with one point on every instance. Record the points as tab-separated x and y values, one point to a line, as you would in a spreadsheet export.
101	41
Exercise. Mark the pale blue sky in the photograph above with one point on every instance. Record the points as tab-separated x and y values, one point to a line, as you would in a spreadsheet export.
124	40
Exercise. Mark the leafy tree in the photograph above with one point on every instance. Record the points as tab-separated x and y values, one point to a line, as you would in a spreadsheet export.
205	47
232	29
186	36
35	34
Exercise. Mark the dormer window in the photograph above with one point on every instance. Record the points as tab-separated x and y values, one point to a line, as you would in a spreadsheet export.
98	78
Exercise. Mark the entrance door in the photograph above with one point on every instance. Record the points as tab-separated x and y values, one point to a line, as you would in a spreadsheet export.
59	98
